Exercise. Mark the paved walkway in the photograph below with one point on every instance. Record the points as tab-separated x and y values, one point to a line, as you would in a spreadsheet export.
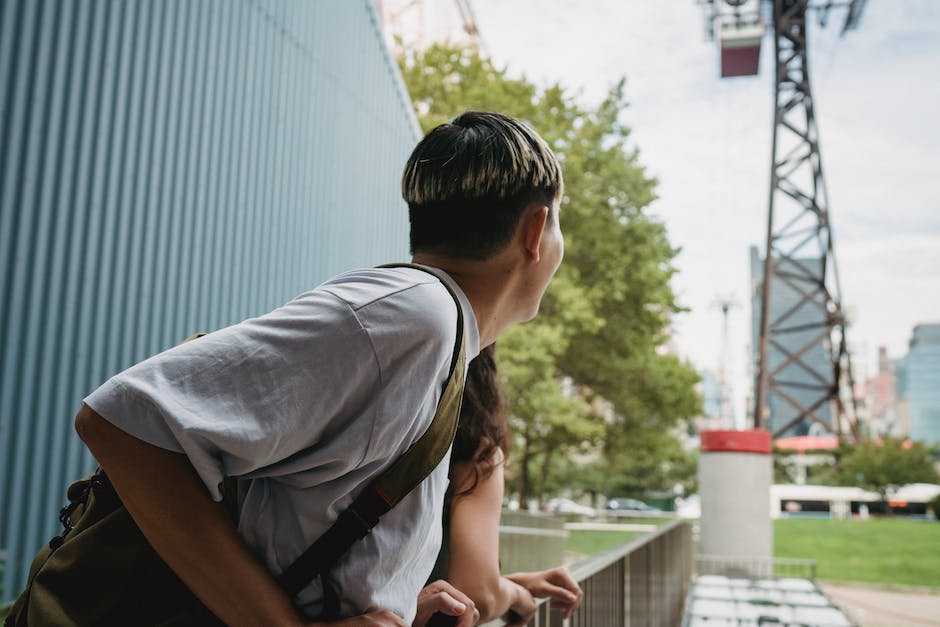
885	607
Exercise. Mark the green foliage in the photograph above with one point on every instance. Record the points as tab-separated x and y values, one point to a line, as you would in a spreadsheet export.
783	471
880	466
584	380
645	460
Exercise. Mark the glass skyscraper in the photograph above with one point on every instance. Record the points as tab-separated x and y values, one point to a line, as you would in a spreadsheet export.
803	382
919	385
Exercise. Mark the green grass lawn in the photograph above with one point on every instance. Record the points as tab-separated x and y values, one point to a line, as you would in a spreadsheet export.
879	550
584	543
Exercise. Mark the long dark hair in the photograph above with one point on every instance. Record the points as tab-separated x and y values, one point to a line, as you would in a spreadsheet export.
482	427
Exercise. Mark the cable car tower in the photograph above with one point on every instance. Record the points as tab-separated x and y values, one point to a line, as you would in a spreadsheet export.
804	374
416	24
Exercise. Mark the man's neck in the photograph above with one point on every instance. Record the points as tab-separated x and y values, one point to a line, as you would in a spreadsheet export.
488	285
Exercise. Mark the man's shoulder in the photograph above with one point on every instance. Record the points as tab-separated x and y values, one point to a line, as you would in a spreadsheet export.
405	289
404	308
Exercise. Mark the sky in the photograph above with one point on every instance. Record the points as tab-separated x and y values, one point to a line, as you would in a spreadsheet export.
708	142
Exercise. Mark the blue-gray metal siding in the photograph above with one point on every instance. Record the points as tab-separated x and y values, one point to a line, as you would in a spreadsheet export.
170	167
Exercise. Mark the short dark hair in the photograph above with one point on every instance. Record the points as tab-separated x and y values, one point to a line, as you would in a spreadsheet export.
468	182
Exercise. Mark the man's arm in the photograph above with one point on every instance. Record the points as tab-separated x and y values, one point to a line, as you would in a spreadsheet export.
190	531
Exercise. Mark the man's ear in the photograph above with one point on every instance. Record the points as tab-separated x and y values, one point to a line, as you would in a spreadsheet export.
533	226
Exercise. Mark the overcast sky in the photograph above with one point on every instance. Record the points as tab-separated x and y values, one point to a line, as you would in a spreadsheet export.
708	141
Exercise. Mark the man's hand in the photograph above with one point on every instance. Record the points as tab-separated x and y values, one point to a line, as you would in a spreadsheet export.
442	597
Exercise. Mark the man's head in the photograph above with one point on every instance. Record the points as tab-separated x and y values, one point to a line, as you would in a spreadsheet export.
468	183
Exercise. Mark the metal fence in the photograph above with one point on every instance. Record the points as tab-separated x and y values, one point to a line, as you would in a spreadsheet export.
530	541
755	567
642	583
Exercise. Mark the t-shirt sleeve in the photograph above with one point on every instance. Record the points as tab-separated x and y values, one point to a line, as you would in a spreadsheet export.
248	399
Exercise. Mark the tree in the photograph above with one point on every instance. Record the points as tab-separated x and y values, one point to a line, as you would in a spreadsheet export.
885	465
650	461
588	369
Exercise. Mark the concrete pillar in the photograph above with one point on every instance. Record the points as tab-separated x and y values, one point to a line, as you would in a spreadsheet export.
735	475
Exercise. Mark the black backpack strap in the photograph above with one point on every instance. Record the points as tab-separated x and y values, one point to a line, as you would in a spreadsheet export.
421	458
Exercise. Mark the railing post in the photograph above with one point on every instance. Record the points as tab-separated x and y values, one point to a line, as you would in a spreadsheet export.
624	588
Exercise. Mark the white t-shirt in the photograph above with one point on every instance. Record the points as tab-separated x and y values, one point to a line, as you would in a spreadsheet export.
306	405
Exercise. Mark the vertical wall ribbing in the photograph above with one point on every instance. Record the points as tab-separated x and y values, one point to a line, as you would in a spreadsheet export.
169	167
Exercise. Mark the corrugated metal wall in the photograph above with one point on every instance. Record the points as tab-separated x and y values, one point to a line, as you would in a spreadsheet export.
169	167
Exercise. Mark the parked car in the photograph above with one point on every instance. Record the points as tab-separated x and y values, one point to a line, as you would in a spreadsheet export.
567	506
623	506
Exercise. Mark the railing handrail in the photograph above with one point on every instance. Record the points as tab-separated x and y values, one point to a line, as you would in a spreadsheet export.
706	564
583	569
599	572
796	561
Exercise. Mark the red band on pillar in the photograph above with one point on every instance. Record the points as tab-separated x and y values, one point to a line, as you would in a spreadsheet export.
753	441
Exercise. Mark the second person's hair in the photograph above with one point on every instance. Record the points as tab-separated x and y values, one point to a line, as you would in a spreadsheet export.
482	427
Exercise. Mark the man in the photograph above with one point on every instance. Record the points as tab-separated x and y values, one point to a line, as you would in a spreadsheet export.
306	404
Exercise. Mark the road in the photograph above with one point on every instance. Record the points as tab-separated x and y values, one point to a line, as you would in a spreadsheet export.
885	607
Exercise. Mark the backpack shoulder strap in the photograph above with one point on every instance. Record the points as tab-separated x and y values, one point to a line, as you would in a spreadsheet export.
421	458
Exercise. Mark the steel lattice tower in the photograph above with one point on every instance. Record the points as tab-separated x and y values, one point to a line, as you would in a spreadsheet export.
803	362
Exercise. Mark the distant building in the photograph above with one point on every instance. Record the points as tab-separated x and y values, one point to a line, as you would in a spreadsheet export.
710	389
880	399
918	385
804	324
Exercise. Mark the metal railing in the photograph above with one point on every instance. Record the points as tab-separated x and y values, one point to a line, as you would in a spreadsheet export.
755	567
530	542
641	583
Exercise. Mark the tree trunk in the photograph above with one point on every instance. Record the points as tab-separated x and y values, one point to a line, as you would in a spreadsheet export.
524	472
543	475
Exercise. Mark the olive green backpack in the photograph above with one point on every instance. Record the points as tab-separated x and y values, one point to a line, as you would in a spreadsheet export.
101	571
